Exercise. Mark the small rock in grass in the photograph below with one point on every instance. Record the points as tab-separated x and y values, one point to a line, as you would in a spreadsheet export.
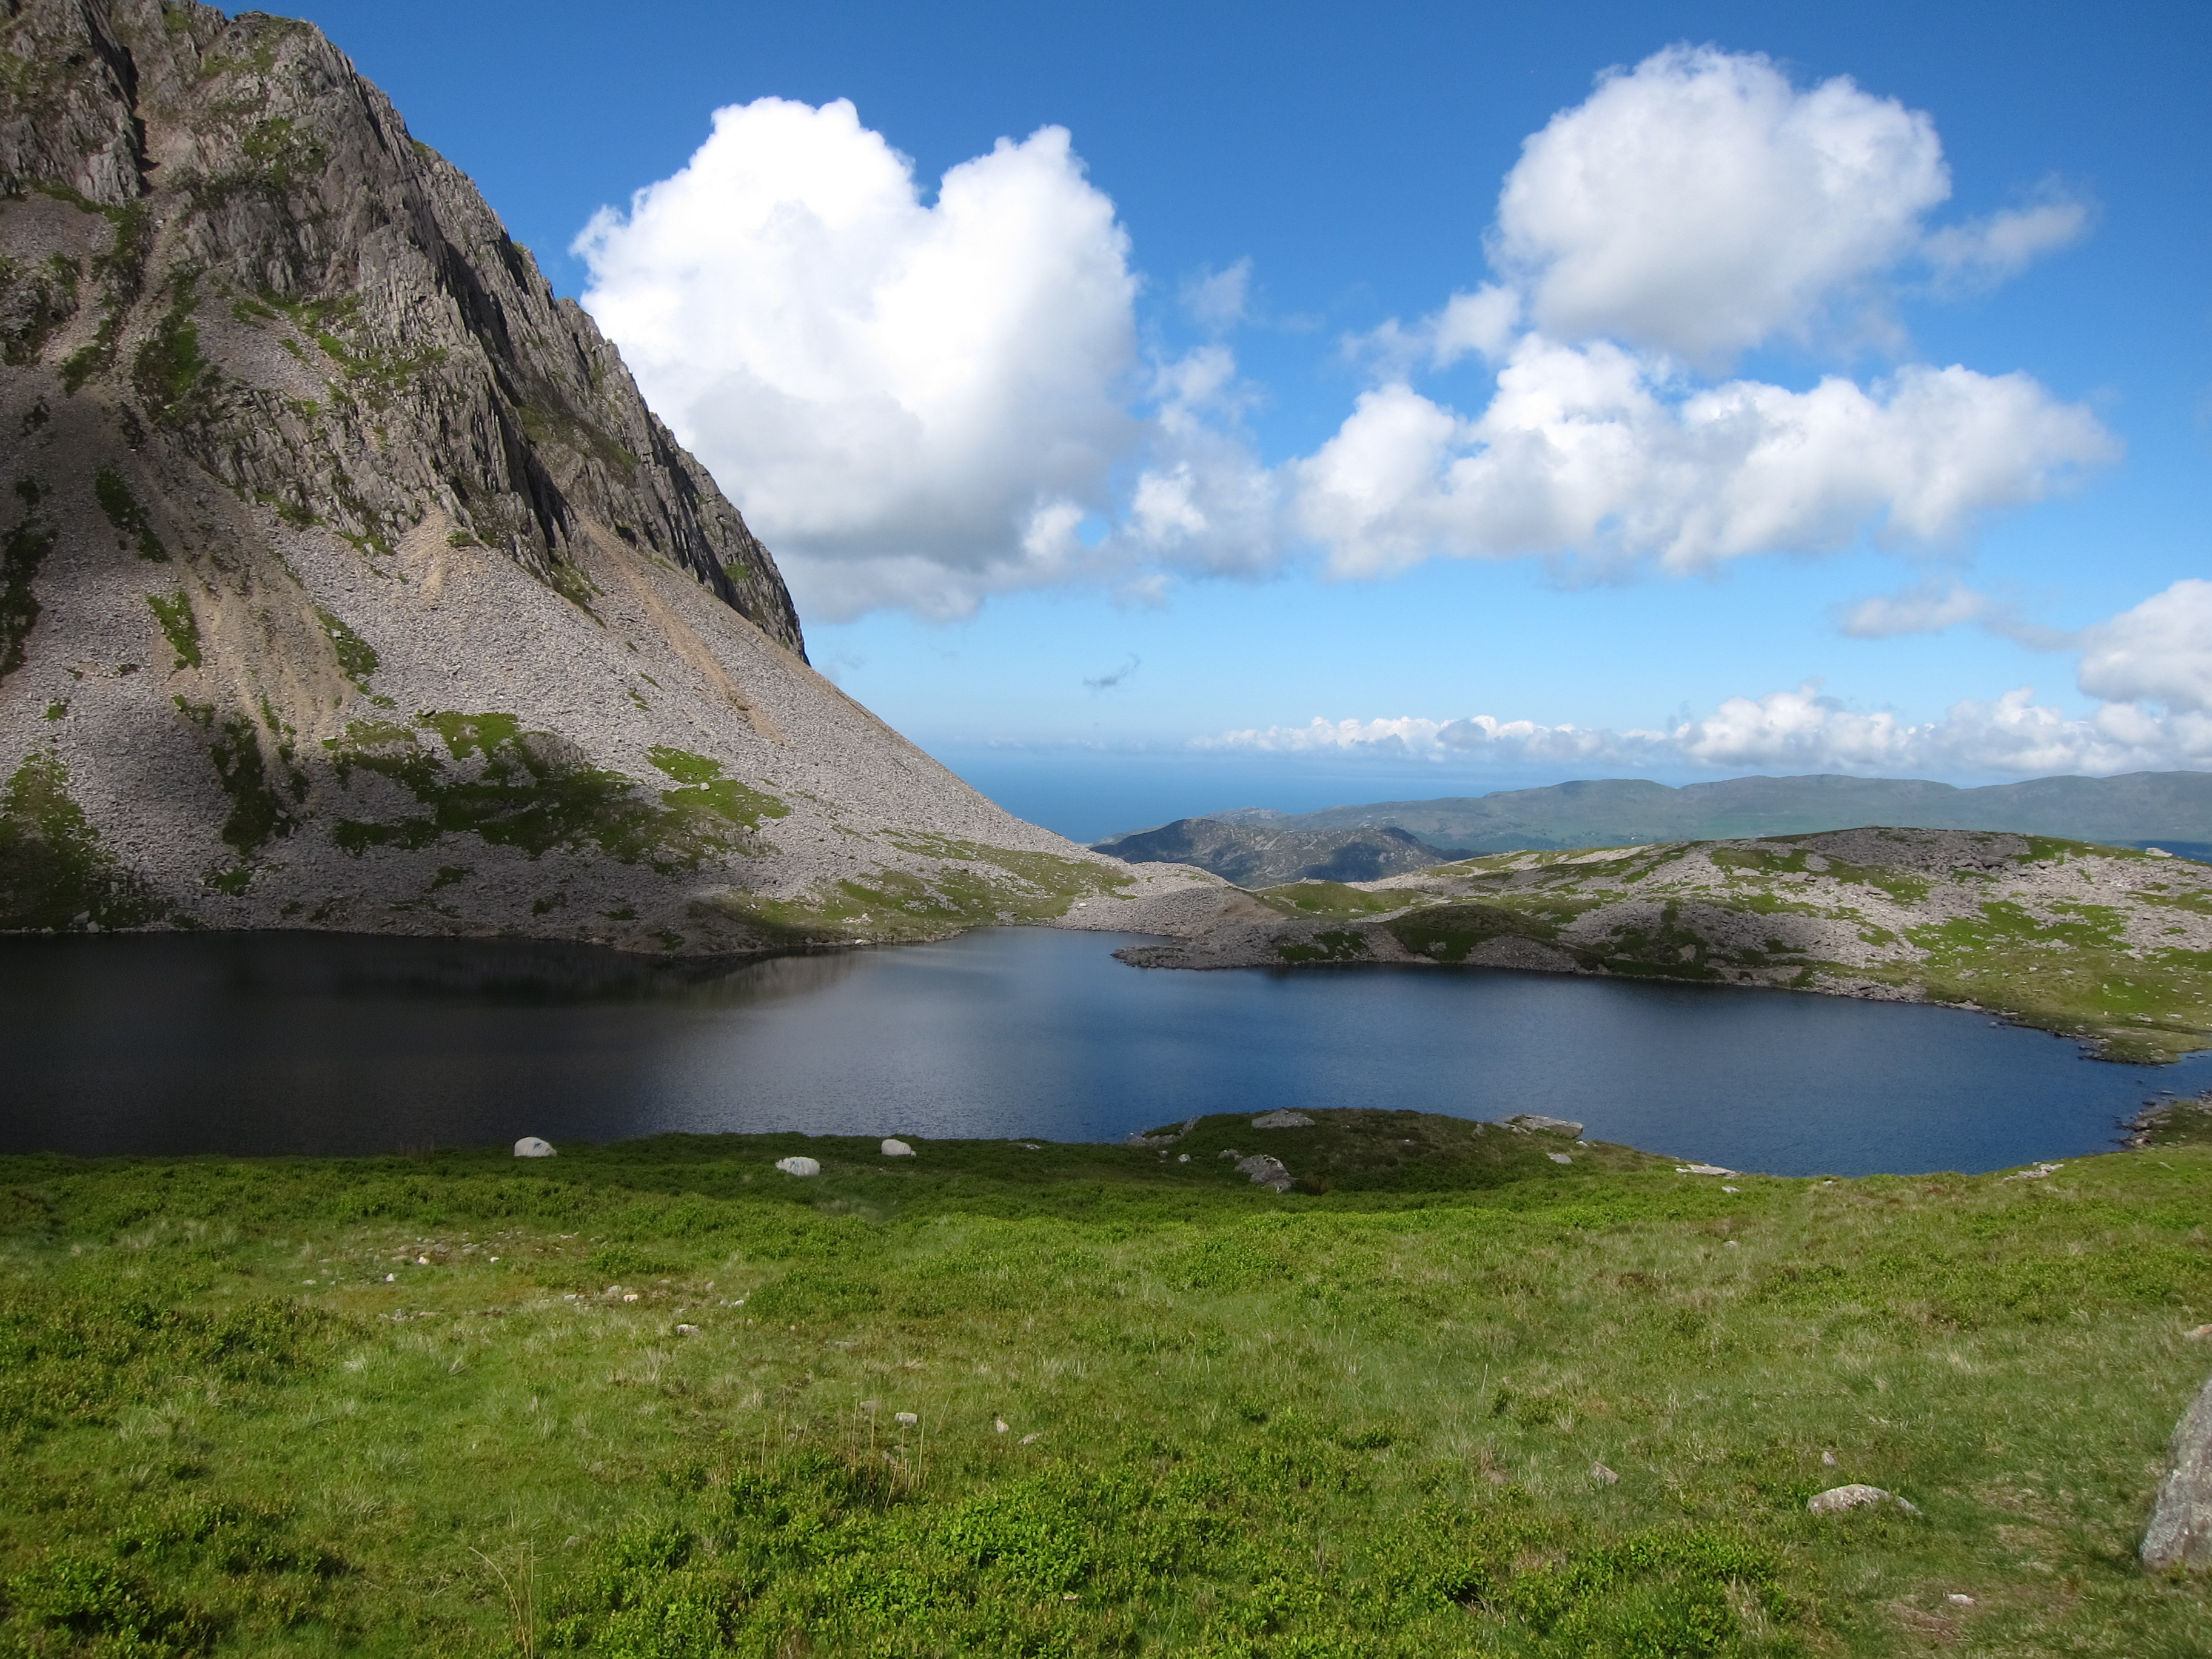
1232	1153
1959	1600
1000	1426
2180	1530
1559	1158
1031	1439
687	1330
391	1278
1603	1475
1265	1171
1284	1120
1550	1126
799	1166
1728	1243
905	1417
1731	1189
2202	1334
1701	1169
1829	1458
1182	1157
897	1148
531	1147
629	1296
1837	1499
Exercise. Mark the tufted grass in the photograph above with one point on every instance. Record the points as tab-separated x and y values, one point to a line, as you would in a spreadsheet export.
294	1406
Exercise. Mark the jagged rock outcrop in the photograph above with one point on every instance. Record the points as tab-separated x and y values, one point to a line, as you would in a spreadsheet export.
345	580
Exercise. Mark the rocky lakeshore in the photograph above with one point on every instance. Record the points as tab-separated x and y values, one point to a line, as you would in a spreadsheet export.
2108	945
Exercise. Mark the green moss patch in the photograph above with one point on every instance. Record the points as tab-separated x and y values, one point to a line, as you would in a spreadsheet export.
1333	900
357	659
972	886
35	300
56	876
177	384
260	811
178	626
1340	944
707	795
23	550
131	523
515	788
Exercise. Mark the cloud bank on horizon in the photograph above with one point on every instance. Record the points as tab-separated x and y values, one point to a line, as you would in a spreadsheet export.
920	403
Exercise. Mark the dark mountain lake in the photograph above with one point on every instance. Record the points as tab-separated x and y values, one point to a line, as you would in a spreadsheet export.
321	1043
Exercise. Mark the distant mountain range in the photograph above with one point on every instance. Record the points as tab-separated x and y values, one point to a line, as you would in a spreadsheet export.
1256	846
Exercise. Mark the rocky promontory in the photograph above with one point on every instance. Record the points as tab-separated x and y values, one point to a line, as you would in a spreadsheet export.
2109	945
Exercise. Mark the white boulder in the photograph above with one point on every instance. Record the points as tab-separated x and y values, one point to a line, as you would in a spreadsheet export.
897	1148
531	1147
1550	1126
1837	1499
799	1166
2180	1530
1265	1171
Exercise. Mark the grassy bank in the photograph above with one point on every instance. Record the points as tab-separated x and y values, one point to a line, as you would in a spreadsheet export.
657	1399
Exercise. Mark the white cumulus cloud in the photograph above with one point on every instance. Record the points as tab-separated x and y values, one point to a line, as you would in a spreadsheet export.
2159	652
913	404
1700	203
918	400
1593	450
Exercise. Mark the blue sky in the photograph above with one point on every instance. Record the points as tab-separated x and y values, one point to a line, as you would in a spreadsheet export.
1783	423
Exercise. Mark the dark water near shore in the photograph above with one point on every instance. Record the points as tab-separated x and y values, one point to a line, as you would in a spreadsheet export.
318	1043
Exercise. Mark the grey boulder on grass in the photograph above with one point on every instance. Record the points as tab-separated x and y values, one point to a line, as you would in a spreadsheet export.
2180	1530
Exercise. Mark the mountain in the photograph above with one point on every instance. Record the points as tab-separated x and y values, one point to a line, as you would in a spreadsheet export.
2170	810
1259	854
2109	946
346	583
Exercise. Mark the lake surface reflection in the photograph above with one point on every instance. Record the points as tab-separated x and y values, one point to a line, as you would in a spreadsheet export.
322	1043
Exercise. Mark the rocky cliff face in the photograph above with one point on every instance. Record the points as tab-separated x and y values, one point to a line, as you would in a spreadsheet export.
345	580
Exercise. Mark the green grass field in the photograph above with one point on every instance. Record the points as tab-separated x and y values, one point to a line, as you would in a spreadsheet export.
657	1399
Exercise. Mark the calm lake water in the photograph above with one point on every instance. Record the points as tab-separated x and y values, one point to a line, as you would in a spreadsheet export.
320	1043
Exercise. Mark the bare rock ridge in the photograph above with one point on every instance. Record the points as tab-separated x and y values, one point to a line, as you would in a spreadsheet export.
346	581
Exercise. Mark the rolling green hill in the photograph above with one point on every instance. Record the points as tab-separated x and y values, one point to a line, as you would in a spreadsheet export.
2171	810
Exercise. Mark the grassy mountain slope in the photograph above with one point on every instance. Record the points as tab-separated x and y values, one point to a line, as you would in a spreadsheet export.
2110	946
346	583
647	1401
